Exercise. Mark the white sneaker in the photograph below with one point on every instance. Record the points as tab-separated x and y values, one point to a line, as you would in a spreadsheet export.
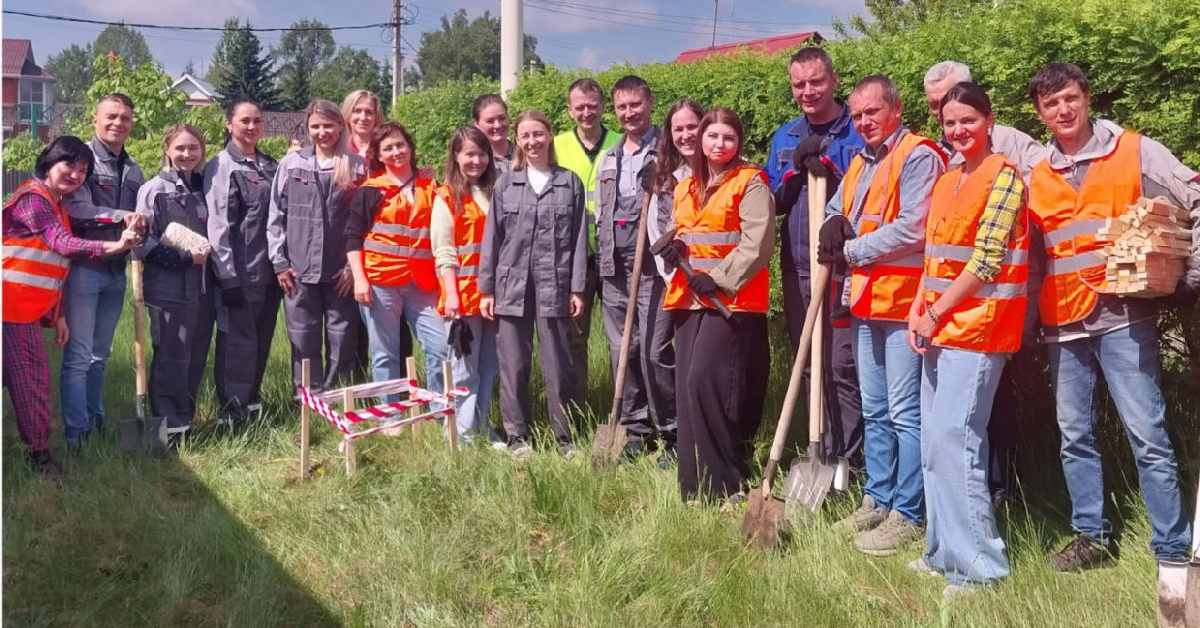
953	591
500	445
521	450
920	566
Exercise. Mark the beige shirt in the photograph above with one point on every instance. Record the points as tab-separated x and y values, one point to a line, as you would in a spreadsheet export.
757	243
441	229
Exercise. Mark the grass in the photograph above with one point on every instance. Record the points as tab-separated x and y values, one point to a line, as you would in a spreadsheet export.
223	535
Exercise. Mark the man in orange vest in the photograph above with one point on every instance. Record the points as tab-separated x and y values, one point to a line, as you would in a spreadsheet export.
876	227
1093	170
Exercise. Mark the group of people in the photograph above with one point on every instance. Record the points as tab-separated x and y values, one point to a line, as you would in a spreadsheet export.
944	251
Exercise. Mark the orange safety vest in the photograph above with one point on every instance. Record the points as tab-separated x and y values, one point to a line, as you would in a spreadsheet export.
468	240
33	273
990	320
397	250
711	233
884	290
1070	219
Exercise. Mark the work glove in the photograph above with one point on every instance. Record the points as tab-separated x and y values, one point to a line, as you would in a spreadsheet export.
834	233
806	158
702	284
1184	296
233	297
673	253
789	191
460	338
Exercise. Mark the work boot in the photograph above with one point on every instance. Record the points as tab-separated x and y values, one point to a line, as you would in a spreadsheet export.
44	464
668	457
1081	553
569	451
919	565
633	450
520	449
894	533
866	517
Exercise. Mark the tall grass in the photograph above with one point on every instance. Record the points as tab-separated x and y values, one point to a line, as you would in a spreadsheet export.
223	535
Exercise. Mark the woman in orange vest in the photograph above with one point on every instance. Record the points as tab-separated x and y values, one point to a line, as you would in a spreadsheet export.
725	228
460	209
966	321
391	259
38	245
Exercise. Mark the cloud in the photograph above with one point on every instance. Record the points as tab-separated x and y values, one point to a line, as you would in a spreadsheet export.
172	11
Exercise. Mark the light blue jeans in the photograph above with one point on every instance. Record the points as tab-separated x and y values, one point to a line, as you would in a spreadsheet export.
961	538
393	306
889	375
92	300
1129	361
477	373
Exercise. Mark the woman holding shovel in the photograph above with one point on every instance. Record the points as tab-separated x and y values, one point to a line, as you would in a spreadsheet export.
966	321
678	144
179	289
725	232
38	247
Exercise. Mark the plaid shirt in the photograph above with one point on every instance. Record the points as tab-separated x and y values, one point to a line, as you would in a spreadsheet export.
991	240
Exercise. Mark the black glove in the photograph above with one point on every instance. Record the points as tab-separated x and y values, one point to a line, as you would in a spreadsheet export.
789	191
702	284
808	148
233	297
460	337
834	233
673	253
1184	296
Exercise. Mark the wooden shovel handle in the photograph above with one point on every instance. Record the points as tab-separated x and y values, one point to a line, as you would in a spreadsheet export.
639	254
816	390
139	328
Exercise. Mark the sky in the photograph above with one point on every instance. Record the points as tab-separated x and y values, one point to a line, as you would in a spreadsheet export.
569	33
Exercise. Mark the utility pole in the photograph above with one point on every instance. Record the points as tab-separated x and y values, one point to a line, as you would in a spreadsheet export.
714	38
512	44
397	56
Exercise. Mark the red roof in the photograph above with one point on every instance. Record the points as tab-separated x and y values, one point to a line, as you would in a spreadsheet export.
14	53
767	45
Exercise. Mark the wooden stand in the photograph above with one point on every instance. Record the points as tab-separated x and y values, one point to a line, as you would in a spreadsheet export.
410	368
305	413
351	456
452	419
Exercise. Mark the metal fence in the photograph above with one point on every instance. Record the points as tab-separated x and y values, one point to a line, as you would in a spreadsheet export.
13	178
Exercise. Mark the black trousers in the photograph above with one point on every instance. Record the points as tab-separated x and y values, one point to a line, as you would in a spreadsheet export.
244	336
721	384
1022	386
180	334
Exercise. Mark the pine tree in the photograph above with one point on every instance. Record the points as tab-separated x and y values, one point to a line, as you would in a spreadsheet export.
241	70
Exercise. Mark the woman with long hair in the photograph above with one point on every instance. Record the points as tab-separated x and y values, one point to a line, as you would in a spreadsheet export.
360	110
310	202
725	228
391	259
38	247
532	274
460	209
678	145
490	114
237	189
180	290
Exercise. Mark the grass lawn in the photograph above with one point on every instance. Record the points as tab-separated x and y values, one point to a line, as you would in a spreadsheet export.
223	535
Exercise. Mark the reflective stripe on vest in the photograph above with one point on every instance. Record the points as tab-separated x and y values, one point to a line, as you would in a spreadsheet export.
992	318
34	254
33	273
396	250
883	290
1071	219
400	230
711	232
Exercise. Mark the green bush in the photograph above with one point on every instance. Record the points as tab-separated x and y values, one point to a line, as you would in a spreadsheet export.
20	152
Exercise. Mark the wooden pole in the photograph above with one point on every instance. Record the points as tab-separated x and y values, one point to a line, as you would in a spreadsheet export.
452	418
351	455
410	366
305	381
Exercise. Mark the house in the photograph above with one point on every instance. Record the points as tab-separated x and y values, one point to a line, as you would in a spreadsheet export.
199	92
766	46
28	91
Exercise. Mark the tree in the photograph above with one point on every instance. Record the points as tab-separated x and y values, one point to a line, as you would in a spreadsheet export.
240	69
347	71
190	68
894	16
300	53
126	43
72	66
462	49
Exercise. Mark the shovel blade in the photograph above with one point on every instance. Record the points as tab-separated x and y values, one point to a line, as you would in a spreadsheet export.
608	445
1172	595
807	484
765	522
147	436
1192	603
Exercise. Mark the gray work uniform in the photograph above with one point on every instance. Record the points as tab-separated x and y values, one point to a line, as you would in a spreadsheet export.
180	297
306	232
237	189
534	257
650	377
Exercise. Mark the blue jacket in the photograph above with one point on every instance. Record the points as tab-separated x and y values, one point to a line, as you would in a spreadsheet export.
842	143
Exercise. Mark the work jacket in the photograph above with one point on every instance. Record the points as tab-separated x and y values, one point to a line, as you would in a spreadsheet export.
569	153
171	278
992	319
396	249
237	189
711	232
469	222
535	238
99	207
33	272
619	211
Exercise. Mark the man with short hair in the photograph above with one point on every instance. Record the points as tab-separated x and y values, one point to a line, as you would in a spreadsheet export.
875	226
625	172
1093	171
580	150
822	137
94	293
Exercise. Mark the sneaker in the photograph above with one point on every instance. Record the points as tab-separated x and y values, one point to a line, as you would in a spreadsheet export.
499	445
734	503
667	458
1081	553
569	451
44	464
520	450
865	518
920	566
884	539
633	450
952	591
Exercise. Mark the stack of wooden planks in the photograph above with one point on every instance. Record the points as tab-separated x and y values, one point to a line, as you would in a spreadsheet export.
1149	245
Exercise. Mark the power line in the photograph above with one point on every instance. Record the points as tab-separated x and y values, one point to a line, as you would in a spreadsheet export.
84	20
704	20
644	24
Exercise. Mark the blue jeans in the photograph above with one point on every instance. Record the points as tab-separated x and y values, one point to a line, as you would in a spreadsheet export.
889	376
92	300
961	538
477	373
393	306
1129	361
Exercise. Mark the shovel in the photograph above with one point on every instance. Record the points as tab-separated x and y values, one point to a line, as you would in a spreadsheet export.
1179	586
611	437
1192	603
141	433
